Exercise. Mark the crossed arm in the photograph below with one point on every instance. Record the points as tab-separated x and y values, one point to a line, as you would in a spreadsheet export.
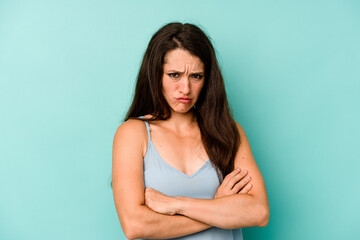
154	215
232	206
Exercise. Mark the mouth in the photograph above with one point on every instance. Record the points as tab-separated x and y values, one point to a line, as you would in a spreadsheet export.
184	100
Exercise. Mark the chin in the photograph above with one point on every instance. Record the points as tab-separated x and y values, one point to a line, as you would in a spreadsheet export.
182	110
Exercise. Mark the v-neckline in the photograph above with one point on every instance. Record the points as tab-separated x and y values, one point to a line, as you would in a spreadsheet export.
177	170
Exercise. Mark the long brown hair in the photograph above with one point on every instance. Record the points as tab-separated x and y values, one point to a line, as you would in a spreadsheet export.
219	133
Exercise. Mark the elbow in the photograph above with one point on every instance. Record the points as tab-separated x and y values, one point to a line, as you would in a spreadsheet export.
132	229
264	216
129	234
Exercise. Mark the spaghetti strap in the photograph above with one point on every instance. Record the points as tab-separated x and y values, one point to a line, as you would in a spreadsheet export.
148	130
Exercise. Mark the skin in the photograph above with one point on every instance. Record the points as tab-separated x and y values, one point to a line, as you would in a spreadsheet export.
147	213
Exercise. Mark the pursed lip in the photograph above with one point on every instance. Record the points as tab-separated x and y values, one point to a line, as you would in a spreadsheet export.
184	99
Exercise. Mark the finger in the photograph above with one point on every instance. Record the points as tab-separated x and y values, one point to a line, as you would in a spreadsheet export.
231	175
246	189
241	184
235	179
151	190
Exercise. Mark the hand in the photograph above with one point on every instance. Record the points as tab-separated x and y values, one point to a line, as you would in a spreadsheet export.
234	183
159	202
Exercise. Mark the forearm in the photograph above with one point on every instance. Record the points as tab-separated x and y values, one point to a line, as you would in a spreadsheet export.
229	212
148	224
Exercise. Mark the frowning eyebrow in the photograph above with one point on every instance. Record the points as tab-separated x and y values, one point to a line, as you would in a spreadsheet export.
176	71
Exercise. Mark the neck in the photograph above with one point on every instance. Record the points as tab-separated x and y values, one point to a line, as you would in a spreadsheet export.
182	121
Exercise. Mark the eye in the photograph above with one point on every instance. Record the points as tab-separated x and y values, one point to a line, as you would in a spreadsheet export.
173	75
197	76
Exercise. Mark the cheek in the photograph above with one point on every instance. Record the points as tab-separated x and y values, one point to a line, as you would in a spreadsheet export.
167	89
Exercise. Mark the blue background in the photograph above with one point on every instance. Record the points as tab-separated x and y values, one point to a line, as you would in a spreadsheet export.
67	74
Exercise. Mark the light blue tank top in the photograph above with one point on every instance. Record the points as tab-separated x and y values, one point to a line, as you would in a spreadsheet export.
202	184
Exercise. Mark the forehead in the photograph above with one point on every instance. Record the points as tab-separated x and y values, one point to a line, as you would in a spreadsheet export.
180	59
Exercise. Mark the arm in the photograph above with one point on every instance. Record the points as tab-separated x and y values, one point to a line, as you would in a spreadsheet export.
136	219
231	211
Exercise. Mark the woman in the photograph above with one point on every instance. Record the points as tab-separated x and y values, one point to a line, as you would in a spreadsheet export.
181	164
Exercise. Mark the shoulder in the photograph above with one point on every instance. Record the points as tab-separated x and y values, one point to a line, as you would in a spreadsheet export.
244	146
130	127
240	130
131	133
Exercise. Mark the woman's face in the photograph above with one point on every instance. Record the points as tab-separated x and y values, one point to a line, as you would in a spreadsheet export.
182	80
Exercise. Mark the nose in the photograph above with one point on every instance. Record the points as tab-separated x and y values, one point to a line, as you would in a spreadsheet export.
185	87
